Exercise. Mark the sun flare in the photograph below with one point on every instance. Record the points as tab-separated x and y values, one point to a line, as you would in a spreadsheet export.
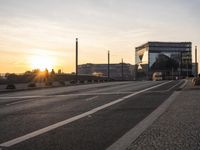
42	62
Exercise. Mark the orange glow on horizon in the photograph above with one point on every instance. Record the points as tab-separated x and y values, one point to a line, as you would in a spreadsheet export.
42	62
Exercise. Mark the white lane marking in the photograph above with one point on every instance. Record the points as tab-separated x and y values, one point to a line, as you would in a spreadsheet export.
91	98
125	141
20	97
163	91
81	94
183	85
13	103
174	86
67	121
88	94
69	95
180	82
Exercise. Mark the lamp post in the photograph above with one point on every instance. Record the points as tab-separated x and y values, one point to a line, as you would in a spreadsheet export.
187	65
76	60
122	69
179	67
196	65
108	65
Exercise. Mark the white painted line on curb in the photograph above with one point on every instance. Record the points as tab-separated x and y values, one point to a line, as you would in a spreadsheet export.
125	141
67	121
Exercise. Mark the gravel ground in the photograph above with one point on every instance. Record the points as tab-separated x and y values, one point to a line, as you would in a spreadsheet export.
178	128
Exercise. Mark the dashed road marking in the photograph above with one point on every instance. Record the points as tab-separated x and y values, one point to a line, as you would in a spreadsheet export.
20	97
13	103
91	98
62	95
33	98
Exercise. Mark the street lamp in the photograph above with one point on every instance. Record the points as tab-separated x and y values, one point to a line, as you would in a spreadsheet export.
108	65
187	64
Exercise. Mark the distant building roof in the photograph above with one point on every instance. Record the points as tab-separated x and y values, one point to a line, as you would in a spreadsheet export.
164	44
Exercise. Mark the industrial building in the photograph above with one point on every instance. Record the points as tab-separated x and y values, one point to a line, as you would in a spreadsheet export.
117	71
173	59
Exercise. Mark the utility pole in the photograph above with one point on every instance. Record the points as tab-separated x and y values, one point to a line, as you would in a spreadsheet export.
108	65
76	60
187	65
179	66
122	69
196	65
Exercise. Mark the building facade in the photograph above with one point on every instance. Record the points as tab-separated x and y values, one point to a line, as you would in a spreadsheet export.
117	71
173	59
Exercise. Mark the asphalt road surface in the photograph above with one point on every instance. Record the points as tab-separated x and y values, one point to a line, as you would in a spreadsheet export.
83	117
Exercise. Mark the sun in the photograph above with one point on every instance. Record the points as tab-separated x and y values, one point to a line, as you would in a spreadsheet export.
42	62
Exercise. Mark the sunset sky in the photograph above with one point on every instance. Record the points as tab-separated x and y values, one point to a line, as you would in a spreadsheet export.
35	32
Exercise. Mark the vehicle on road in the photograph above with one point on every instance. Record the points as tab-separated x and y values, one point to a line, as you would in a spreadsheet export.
157	76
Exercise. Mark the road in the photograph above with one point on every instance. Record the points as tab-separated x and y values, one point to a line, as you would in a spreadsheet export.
83	117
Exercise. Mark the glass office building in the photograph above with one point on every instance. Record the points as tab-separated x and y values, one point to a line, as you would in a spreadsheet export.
173	59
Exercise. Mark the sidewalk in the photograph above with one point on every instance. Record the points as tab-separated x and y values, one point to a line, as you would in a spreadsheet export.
178	128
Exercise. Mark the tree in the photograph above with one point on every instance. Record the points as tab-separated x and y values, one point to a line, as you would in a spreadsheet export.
59	71
46	73
28	73
36	71
52	72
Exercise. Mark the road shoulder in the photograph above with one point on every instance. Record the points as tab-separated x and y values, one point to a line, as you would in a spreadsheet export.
177	128
135	132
